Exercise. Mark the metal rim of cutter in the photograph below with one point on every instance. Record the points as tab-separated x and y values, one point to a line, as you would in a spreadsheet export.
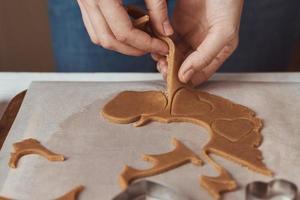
142	189
267	190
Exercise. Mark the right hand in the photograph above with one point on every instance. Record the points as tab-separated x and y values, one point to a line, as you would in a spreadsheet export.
108	25
207	34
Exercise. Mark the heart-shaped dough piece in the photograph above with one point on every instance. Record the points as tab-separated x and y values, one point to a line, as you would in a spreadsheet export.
232	129
186	102
128	106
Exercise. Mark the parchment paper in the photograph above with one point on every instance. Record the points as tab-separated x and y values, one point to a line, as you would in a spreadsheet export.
66	118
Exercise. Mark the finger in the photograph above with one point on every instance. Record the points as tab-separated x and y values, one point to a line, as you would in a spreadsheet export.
156	57
164	75
204	74
87	22
158	12
198	78
105	37
163	65
120	24
158	67
162	71
213	43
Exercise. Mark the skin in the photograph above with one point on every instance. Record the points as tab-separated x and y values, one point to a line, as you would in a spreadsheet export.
205	30
109	26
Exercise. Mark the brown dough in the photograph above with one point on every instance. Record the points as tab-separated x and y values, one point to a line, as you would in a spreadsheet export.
31	146
216	185
234	129
174	57
73	194
133	109
161	163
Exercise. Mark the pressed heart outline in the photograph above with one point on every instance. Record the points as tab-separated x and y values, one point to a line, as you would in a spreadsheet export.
232	129
188	103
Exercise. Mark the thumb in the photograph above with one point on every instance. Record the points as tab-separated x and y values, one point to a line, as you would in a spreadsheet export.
158	12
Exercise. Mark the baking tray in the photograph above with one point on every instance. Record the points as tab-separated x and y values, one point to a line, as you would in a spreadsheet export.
9	115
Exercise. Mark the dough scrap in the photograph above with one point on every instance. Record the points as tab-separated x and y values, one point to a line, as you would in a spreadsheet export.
216	185
31	146
161	163
73	194
221	183
234	129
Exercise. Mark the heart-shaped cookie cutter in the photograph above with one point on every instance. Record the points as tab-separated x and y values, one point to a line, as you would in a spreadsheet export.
144	189
276	189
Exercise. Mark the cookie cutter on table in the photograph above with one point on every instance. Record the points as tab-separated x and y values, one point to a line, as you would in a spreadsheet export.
144	189
276	189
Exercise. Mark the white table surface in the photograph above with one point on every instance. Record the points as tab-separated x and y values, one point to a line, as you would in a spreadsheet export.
13	83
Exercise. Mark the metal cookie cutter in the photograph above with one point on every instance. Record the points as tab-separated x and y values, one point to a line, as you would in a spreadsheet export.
276	189
146	190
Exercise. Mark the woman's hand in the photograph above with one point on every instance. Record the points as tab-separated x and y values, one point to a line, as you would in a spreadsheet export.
109	26
207	33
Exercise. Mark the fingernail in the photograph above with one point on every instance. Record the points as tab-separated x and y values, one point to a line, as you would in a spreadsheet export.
164	75
163	63
168	28
158	67
154	56
188	74
164	70
163	53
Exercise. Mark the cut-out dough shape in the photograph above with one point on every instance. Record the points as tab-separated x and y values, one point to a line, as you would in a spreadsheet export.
143	104
216	185
73	194
31	146
161	163
234	129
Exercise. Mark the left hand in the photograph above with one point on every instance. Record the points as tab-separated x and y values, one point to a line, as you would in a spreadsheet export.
207	33
108	25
